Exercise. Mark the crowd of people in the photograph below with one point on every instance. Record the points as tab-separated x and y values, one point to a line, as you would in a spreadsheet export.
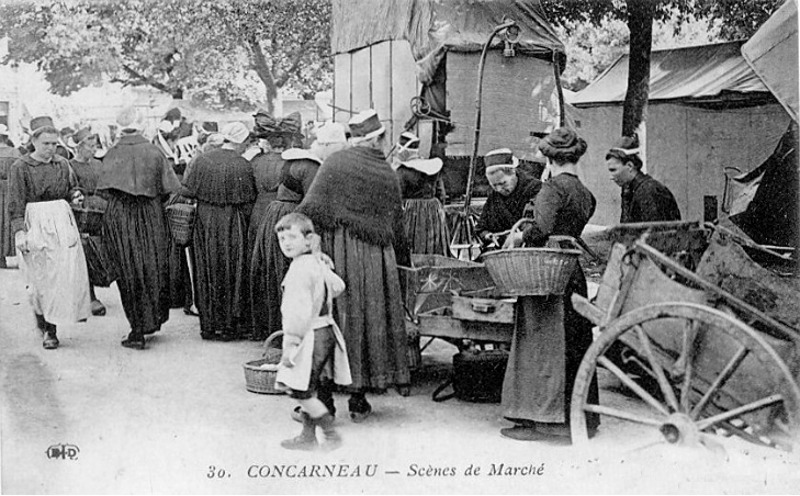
262	202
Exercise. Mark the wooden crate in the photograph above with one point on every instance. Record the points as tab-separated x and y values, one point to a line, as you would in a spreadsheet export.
434	279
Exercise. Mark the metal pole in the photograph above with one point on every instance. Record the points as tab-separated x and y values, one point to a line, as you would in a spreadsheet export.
471	174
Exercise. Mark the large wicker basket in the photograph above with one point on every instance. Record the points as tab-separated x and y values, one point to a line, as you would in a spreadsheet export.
89	220
259	375
531	271
181	220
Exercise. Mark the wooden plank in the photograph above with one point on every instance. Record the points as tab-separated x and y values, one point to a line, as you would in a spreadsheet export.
361	81
447	327
341	87
381	82
496	310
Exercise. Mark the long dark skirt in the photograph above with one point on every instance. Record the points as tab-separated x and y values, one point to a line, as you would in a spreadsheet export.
370	311
267	268
260	207
136	239
546	352
426	226
101	272
220	244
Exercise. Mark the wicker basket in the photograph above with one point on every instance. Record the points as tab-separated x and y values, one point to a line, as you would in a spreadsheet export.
531	271
181	220
89	220
262	380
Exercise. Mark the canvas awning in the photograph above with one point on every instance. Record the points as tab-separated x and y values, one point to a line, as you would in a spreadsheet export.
772	54
698	73
433	27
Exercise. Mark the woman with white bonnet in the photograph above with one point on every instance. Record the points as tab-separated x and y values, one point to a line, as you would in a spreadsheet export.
136	178
41	184
423	205
268	264
222	183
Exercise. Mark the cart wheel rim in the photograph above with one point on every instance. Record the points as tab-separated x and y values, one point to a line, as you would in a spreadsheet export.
755	348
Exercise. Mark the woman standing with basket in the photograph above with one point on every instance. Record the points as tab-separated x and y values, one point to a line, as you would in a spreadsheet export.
550	338
136	178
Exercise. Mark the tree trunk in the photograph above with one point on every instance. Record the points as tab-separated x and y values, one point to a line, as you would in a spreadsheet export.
640	24
261	67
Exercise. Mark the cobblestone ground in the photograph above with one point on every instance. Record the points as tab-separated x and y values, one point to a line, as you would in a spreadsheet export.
176	418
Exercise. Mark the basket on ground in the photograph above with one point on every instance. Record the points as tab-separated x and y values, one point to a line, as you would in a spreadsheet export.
531	271
180	217
89	220
259	375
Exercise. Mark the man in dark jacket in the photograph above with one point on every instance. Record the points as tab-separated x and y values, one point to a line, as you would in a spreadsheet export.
643	198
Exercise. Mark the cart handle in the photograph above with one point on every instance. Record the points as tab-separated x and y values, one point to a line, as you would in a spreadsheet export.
782	330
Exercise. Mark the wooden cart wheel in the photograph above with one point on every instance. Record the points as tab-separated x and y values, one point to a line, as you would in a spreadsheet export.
725	379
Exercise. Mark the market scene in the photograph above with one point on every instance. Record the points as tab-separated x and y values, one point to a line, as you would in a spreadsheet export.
446	247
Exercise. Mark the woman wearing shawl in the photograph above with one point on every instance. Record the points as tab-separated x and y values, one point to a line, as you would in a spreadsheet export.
355	202
550	338
268	264
52	262
136	178
222	183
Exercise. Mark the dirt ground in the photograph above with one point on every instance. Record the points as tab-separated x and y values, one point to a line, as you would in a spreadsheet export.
176	418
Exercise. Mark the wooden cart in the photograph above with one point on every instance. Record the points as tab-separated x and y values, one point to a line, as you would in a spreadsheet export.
454	300
706	337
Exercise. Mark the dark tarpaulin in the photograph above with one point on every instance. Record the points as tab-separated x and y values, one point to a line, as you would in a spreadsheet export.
693	73
432	27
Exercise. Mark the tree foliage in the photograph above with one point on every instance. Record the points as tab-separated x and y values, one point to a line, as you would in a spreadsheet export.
237	52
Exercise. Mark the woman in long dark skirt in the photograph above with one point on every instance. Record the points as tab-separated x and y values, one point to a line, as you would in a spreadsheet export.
268	263
8	155
355	204
222	183
550	337
86	169
136	178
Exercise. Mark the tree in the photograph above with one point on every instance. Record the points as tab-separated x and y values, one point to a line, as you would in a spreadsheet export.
229	52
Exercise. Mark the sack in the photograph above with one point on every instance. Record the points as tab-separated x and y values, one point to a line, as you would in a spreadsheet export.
477	376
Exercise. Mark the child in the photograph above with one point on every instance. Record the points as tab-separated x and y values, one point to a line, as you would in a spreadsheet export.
312	342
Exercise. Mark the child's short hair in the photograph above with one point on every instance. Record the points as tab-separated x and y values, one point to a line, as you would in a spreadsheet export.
295	219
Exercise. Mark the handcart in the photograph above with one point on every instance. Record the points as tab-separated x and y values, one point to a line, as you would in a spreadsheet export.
704	336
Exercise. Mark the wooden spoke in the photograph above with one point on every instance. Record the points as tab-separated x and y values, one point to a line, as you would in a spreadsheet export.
666	387
687	354
622	376
720	381
613	412
750	407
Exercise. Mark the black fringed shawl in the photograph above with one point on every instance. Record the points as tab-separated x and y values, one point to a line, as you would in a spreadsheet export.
356	189
221	177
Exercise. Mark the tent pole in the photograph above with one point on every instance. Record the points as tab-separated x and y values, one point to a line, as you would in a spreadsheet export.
473	158
557	74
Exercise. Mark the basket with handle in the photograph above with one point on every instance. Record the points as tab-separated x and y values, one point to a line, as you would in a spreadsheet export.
531	271
180	217
259	375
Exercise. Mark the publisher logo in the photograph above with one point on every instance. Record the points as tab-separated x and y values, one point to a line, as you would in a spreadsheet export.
63	452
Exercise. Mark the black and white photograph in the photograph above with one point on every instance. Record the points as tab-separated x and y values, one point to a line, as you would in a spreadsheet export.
399	247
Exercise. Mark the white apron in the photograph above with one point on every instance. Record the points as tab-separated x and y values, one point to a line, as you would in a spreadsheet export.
54	266
298	377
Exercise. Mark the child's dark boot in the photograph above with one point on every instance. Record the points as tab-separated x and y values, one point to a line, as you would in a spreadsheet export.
50	341
307	440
